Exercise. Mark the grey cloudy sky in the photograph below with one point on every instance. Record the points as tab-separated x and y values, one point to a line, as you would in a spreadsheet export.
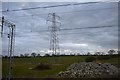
30	39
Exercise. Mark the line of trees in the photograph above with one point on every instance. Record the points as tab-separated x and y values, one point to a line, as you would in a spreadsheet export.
110	52
30	55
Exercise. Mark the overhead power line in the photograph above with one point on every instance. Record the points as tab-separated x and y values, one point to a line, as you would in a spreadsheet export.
65	12
89	27
78	28
43	31
84	32
64	29
53	6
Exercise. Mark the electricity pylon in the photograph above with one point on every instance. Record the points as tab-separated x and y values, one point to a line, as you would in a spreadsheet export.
54	24
11	37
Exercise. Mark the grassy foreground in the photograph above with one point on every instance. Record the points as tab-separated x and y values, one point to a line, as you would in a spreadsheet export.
22	67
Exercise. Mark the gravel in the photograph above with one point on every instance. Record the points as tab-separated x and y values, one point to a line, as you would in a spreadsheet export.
90	70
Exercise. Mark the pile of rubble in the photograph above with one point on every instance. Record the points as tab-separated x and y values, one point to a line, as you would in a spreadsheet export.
90	70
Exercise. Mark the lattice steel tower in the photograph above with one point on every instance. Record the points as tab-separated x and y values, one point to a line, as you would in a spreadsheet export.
54	24
11	43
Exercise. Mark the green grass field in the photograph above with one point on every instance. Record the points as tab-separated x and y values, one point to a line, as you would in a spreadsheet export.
21	66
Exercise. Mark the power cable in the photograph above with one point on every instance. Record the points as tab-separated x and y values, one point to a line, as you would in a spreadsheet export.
64	29
53	6
109	26
85	32
67	12
89	27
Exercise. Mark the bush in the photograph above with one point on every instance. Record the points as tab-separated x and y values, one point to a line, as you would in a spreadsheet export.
90	59
42	66
47	55
103	57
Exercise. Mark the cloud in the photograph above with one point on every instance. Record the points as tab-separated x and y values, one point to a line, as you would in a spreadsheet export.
29	35
73	45
59	0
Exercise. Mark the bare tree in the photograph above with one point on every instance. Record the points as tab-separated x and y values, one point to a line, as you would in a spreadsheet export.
78	54
21	55
118	52
38	55
47	55
97	53
26	54
102	53
111	52
33	54
88	53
